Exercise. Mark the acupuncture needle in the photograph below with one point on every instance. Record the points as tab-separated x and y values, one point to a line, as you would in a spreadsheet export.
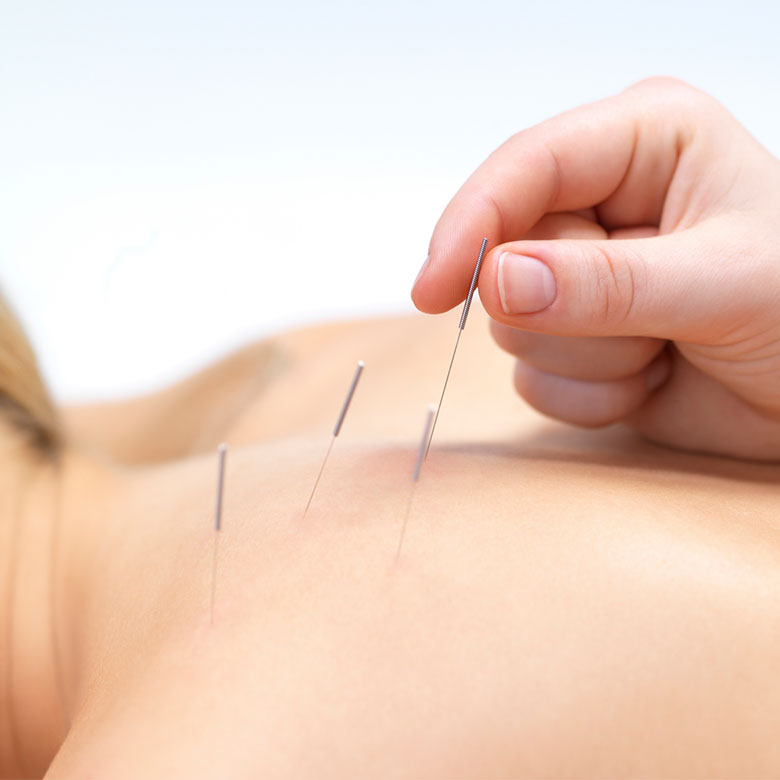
416	473
358	371
221	453
466	307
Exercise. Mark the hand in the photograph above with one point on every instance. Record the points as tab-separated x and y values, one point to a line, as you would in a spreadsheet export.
664	312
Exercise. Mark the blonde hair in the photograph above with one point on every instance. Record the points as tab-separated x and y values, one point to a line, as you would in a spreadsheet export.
25	403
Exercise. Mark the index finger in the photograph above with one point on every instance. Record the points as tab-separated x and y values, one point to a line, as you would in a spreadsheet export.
617	155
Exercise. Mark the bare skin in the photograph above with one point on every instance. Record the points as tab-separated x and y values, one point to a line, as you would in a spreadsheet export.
566	603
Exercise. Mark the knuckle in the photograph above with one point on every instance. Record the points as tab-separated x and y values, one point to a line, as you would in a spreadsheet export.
661	82
678	99
616	281
490	200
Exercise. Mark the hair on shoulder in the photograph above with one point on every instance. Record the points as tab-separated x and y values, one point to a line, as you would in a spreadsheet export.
25	403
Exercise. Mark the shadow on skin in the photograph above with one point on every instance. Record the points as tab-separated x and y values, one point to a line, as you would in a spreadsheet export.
616	447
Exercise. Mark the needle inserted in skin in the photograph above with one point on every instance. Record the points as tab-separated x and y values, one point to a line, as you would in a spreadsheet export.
466	307
221	453
358	371
416	473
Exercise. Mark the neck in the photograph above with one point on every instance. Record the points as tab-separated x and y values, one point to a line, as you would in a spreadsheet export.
37	576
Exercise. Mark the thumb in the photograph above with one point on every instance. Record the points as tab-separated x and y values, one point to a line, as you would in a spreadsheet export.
690	286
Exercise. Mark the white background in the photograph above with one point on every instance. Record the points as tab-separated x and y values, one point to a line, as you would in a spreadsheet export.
177	178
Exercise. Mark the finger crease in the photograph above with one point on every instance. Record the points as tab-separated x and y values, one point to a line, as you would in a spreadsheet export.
557	179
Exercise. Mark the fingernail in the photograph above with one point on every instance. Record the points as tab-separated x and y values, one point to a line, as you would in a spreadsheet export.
658	373
422	270
525	284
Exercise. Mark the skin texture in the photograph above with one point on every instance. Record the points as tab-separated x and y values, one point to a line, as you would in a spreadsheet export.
655	216
566	603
